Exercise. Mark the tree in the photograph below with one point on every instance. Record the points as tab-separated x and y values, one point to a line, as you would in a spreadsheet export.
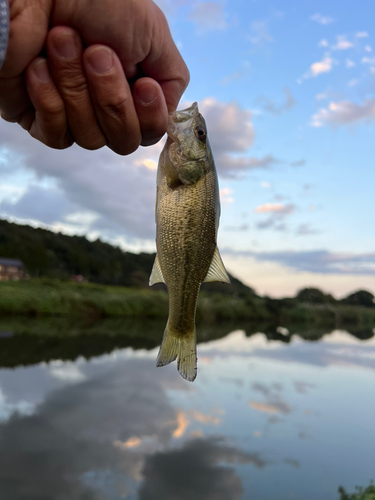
360	298
312	295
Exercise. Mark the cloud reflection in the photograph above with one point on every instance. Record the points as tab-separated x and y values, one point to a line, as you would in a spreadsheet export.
194	472
75	434
112	429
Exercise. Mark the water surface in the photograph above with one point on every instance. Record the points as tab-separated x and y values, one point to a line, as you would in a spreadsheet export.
264	419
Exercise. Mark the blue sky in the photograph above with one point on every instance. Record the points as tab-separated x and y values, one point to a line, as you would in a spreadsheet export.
288	93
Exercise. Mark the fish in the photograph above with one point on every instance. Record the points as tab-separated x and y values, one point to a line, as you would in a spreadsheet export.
187	216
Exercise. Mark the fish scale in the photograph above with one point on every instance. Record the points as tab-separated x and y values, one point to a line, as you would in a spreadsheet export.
187	216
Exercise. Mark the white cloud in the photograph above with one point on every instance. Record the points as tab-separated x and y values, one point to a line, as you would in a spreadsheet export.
342	43
275	278
316	261
8	408
344	113
361	34
104	194
260	34
323	66
274	208
81	217
353	82
11	192
208	16
231	134
368	60
121	194
368	48
349	63
229	125
226	195
277	213
319	18
66	371
147	162
318	68
323	43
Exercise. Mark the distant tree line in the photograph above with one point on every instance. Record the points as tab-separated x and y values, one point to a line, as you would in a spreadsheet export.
55	255
316	296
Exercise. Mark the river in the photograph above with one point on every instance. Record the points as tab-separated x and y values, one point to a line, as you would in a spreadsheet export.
269	416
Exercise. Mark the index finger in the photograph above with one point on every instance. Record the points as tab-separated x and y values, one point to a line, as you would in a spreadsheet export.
164	64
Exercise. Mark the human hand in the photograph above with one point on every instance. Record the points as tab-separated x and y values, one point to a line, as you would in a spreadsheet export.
63	99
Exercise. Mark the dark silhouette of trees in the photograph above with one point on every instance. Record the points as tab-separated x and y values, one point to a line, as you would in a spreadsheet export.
314	296
360	298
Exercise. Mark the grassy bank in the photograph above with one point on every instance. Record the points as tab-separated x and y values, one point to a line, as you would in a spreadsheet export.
48	297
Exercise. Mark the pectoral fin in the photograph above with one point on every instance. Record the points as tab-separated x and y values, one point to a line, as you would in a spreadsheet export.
156	274
217	271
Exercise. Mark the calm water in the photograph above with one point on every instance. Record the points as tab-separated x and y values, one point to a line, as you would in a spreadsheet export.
265	419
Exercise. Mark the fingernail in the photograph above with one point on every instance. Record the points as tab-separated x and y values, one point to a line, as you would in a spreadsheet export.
65	46
100	60
147	93
41	71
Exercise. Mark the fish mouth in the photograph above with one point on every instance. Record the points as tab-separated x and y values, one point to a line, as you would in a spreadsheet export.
180	121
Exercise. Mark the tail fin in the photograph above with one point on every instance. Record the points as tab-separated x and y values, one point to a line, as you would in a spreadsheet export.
183	347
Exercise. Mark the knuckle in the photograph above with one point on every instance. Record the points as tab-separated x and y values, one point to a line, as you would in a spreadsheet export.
120	126
116	109
73	86
54	141
52	107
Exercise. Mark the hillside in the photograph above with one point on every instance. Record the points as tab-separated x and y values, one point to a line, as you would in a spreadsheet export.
55	255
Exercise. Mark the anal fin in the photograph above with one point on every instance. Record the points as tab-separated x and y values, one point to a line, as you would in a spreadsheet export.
216	271
156	273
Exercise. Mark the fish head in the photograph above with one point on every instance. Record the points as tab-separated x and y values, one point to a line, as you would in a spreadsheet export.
187	145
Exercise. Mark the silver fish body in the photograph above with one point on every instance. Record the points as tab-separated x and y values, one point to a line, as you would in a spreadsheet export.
187	219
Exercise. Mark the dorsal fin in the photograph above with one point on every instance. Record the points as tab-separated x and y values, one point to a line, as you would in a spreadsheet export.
216	271
156	274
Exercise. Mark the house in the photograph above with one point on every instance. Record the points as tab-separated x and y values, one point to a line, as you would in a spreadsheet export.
11	269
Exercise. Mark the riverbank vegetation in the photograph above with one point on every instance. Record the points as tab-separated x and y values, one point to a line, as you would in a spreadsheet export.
114	284
48	297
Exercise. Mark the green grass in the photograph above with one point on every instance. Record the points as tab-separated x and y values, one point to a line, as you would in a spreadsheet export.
47	297
43	297
50	297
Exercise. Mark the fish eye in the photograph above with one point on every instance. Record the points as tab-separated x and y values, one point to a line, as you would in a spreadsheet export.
200	133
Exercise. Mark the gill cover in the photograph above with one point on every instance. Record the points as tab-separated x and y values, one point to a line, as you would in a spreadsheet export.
185	158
